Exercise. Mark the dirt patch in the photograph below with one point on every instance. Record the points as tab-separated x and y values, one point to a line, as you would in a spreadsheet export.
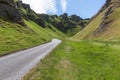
68	49
63	64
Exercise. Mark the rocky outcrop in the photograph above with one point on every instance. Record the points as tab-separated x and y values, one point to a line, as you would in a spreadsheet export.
12	11
67	23
9	11
15	11
41	22
44	16
105	25
19	4
75	18
64	16
110	7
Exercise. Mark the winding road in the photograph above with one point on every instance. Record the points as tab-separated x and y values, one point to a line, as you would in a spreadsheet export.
15	66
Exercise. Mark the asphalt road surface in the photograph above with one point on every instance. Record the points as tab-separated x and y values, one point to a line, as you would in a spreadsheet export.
15	66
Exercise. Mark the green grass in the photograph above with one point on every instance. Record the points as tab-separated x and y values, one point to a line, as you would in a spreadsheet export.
14	37
90	28
111	31
45	32
83	60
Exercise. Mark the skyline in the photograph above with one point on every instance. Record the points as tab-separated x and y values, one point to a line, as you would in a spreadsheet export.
82	8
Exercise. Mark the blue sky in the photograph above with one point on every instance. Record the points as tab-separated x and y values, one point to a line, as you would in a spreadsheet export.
82	8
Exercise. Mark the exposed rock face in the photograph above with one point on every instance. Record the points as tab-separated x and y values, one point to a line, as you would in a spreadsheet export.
9	11
67	23
75	18
40	22
105	25
16	10
61	26
109	6
26	6
19	4
25	11
64	16
44	16
8	1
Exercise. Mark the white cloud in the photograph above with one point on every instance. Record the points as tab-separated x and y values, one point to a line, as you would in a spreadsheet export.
42	6
63	5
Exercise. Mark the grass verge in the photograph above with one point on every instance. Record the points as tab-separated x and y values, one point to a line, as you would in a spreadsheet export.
79	61
14	37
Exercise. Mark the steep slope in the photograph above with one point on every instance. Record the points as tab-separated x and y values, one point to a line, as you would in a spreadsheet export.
105	24
15	37
16	32
21	27
66	24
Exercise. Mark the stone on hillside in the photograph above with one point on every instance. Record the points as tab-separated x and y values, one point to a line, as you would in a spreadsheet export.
10	12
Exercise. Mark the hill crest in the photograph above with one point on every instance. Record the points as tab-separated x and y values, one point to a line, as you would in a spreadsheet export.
105	25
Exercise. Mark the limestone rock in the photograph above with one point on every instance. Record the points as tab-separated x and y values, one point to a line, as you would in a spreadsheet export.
9	11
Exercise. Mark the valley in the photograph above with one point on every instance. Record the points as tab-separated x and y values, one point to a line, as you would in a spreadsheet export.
89	49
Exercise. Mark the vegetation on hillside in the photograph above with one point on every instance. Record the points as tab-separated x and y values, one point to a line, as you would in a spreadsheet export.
15	37
105	25
86	59
21	27
68	24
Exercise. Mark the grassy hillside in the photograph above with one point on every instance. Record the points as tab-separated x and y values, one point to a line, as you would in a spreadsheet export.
86	59
83	60
14	37
67	24
105	25
22	28
90	28
45	32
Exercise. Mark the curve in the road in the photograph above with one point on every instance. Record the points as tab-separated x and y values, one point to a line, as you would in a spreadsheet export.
15	66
